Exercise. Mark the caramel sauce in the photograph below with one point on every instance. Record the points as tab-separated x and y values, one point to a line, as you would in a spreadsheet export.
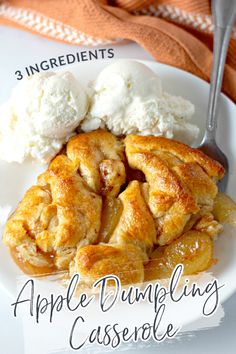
133	174
29	268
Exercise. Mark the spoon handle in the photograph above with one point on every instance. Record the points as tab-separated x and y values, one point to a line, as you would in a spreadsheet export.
224	13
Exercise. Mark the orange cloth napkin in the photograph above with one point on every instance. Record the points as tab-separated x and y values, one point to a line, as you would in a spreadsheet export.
175	32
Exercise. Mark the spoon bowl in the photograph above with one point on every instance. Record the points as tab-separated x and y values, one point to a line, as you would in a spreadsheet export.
210	148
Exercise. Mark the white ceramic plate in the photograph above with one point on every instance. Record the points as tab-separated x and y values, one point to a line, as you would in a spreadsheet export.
16	178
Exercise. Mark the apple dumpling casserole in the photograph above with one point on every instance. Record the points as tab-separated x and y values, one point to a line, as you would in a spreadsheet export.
134	207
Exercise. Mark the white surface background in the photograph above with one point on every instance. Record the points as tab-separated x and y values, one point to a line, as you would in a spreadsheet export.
20	49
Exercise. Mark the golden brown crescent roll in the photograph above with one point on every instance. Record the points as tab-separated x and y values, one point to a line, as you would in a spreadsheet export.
54	217
180	181
136	224
95	261
108	205
98	157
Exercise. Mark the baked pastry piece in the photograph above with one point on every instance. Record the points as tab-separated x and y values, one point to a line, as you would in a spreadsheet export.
132	207
95	261
63	212
180	182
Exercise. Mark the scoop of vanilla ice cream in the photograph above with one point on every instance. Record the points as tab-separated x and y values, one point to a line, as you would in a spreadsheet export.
40	116
121	92
128	98
18	141
54	103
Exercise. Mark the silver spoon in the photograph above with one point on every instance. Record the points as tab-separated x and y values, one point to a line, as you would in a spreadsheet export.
224	14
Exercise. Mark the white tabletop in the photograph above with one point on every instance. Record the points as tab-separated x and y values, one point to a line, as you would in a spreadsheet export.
20	49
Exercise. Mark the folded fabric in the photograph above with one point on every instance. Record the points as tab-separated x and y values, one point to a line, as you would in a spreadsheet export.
175	32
